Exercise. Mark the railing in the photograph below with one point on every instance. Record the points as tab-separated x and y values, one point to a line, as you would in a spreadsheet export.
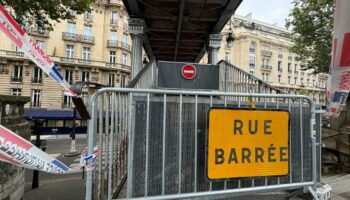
77	37
70	36
266	53
36	31
88	18
11	53
125	45
114	21
266	67
296	72
112	43
234	79
16	79
147	136
146	78
84	61
37	80
280	56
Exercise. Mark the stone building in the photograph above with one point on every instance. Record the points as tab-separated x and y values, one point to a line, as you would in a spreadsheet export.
263	50
94	47
12	117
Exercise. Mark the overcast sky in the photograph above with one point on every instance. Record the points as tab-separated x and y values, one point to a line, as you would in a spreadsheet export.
269	11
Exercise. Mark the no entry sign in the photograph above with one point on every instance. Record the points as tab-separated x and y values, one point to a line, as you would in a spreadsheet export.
189	71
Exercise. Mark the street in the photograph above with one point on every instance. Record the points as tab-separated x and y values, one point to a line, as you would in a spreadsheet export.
53	186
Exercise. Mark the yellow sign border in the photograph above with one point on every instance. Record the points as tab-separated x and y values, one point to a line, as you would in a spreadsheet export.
245	109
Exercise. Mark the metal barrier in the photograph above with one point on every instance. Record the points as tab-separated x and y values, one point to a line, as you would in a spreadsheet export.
156	138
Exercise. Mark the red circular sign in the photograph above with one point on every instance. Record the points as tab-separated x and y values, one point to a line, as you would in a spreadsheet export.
188	72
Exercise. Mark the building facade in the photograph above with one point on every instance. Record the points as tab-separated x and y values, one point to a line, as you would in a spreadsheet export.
263	50
93	47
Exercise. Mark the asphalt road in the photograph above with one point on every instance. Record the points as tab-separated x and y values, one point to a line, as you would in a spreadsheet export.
53	186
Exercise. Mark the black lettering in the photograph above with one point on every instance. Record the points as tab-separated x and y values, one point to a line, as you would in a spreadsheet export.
283	153
259	153
219	156
255	127
233	156
245	155
238	124
271	153
267	126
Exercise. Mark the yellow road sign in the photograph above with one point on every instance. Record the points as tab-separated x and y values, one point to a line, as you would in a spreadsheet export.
247	143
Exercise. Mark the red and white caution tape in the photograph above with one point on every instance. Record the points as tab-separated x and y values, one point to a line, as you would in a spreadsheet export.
18	151
339	79
32	50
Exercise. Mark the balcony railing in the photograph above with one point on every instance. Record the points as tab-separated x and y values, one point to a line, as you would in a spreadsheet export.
88	18
66	59
266	67
114	21
266	53
279	70
14	53
302	73
36	31
296	72
125	45
77	37
37	80
290	71
280	56
16	79
323	76
112	43
70	36
87	39
84	61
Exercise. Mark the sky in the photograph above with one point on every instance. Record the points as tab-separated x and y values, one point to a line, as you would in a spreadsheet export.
269	11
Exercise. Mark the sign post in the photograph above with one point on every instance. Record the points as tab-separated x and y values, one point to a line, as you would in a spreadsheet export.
247	143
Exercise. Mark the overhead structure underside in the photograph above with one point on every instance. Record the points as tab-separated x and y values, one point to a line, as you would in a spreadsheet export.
177	30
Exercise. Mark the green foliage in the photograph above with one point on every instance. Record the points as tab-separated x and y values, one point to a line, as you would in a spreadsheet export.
44	12
312	24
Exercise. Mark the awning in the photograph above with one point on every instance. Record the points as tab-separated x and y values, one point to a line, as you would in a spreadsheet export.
49	114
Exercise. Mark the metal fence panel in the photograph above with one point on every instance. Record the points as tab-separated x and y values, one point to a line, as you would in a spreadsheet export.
158	139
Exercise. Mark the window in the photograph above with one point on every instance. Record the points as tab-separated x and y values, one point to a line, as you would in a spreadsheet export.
252	55
67	101
69	76
313	83
123	83
295	80
227	56
71	30
124	58
279	78
288	79
113	35
263	76
280	53
37	75
69	51
114	17
88	16
295	67
125	40
36	94
279	66
267	77
252	71
126	23
112	56
85	97
302	81
87	33
85	76
86	53
111	80
41	44
16	92
289	67
17	73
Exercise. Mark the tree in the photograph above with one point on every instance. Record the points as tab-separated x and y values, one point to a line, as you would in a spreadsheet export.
43	13
312	24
